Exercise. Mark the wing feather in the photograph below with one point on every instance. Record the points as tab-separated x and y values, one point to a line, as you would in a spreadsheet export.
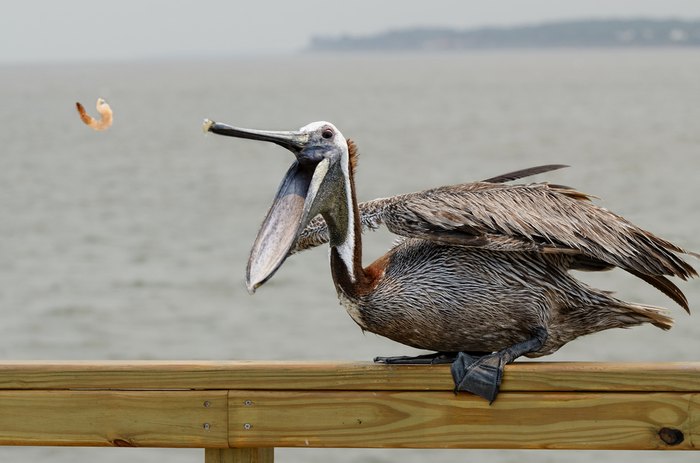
551	217
530	171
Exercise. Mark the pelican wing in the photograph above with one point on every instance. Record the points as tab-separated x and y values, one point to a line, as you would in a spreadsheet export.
316	232
537	217
543	217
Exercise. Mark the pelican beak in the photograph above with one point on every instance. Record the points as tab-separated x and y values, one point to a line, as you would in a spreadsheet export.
294	204
294	141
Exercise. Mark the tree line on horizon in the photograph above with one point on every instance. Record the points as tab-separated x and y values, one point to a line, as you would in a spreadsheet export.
579	33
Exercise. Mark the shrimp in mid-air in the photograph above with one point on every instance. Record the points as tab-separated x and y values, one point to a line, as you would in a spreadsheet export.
105	111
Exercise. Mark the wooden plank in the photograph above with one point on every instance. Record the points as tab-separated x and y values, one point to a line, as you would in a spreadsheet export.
558	420
603	376
247	455
111	418
246	375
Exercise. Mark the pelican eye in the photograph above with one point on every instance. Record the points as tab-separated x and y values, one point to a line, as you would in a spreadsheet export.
327	133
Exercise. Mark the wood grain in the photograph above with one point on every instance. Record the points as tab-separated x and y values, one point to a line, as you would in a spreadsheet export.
442	420
114	418
247	455
224	375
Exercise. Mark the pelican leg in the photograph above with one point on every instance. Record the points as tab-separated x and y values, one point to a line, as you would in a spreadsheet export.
482	375
425	359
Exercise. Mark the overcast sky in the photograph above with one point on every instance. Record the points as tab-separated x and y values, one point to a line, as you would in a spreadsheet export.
42	30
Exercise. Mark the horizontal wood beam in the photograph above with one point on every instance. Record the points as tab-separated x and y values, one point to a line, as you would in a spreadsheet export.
234	375
114	418
515	420
398	419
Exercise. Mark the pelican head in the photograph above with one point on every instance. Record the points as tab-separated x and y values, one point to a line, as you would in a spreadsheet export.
316	183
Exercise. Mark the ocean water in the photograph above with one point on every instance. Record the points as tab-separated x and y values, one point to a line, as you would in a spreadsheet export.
132	243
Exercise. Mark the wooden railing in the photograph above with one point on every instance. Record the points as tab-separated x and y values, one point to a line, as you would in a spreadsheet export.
240	411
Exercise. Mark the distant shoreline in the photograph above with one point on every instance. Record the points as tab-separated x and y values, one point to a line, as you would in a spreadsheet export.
594	33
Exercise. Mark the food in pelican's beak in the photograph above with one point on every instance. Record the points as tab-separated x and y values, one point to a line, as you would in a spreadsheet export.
206	125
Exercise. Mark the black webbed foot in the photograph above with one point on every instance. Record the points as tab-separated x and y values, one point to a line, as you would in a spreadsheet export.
483	375
478	375
425	359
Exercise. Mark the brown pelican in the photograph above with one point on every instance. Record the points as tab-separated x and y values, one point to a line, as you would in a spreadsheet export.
104	111
482	274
